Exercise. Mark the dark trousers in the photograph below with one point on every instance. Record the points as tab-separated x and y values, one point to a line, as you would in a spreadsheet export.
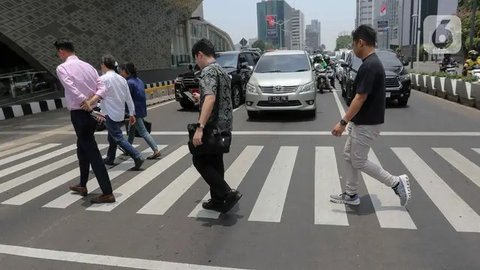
212	170
87	151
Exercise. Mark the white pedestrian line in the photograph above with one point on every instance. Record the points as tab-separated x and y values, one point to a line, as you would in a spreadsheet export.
238	108
167	197
339	104
143	178
39	190
160	105
266	133
22	179
465	166
234	176
270	202
327	182
101	260
476	150
28	153
37	160
18	149
390	213
460	215
70	198
39	126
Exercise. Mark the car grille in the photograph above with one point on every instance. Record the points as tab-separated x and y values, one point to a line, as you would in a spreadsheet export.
190	82
283	104
278	89
392	83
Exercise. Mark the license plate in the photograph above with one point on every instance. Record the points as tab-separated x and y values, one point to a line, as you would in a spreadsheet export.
387	94
278	99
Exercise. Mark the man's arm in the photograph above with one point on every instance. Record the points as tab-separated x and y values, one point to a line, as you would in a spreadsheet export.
207	109
355	106
69	85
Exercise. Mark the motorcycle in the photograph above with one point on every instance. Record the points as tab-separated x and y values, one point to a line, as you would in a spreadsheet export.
322	79
450	68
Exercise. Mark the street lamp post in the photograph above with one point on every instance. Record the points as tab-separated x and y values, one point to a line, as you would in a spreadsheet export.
280	23
413	34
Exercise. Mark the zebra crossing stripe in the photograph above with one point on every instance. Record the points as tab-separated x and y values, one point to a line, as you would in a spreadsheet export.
36	160
269	205
465	166
28	153
390	213
327	182
135	184
461	216
70	198
25	178
167	197
234	176
18	149
39	190
476	150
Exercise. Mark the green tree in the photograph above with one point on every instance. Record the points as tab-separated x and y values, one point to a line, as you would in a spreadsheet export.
259	44
344	41
465	13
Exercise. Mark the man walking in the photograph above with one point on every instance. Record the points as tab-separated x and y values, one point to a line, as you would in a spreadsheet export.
367	114
113	106
81	83
215	111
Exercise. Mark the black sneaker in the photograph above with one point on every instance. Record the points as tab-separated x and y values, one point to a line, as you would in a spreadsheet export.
108	162
138	163
232	198
213	205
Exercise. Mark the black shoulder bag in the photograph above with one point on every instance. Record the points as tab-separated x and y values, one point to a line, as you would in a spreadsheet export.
214	141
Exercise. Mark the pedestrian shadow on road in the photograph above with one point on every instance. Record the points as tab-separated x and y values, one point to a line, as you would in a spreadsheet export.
226	220
366	206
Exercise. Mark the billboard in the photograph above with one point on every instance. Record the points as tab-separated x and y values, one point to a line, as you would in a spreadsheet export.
271	26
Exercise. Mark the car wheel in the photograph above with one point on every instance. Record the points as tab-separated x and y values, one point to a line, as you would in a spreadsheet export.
252	114
403	102
236	96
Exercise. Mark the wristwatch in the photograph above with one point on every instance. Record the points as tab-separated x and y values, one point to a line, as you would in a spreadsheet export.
200	125
343	122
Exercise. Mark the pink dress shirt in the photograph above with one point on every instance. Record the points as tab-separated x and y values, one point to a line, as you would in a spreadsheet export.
80	80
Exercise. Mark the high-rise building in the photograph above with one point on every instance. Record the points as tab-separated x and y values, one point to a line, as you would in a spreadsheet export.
297	30
364	12
313	35
273	22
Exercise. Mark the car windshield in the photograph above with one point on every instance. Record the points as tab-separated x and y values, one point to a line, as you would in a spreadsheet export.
389	59
283	63
227	60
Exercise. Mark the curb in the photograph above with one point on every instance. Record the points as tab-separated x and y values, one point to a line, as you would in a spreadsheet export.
156	93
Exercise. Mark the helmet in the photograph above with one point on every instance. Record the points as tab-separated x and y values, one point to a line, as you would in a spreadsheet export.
327	58
473	54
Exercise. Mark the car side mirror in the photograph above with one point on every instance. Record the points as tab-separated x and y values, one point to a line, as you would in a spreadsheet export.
405	62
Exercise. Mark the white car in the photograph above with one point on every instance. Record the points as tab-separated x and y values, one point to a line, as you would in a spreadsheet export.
282	81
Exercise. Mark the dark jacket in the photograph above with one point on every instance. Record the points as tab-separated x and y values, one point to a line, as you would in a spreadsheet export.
137	90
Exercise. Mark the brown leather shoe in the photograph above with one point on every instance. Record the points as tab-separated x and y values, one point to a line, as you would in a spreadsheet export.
104	199
79	189
155	155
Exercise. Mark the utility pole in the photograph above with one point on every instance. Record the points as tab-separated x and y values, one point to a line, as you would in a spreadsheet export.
472	23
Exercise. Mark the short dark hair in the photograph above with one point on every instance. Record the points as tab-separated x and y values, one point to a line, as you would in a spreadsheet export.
130	68
64	44
109	61
205	46
365	33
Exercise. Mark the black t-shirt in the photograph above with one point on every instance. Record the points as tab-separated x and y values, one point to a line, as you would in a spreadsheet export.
371	80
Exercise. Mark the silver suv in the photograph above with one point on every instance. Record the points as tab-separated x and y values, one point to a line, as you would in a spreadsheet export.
282	81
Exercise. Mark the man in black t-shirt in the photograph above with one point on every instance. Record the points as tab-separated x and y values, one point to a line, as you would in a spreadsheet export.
366	114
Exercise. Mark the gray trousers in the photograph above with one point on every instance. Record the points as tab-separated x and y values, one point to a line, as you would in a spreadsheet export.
359	142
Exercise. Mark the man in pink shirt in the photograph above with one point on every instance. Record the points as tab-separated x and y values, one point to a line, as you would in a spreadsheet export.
82	89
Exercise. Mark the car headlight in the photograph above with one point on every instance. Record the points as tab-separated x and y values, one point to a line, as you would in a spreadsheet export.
251	89
309	87
404	76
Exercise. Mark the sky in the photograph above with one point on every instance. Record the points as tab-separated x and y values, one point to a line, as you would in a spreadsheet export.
239	17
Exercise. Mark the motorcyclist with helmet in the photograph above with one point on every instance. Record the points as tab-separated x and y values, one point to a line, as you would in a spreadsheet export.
472	62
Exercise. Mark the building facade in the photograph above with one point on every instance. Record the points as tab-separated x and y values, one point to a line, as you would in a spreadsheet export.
273	22
297	30
313	35
364	14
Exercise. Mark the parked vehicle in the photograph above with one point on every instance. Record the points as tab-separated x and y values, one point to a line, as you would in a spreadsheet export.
282	81
238	64
397	81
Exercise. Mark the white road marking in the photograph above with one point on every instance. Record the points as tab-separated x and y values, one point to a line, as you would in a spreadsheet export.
103	260
27	153
460	215
465	166
18	149
327	182
234	176
270	202
339	104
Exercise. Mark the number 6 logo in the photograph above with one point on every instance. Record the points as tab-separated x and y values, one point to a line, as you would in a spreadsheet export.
442	34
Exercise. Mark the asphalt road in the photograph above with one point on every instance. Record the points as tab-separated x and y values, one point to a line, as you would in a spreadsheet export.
284	164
